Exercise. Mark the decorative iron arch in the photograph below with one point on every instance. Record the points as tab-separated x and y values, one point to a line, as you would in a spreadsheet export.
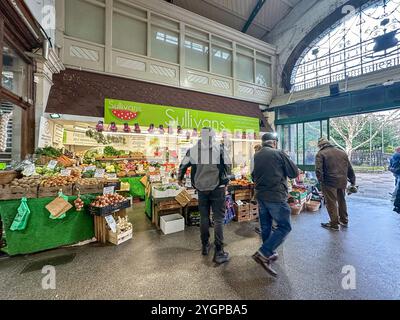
346	45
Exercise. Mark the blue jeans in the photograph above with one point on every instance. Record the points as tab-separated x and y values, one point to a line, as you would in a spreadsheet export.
280	212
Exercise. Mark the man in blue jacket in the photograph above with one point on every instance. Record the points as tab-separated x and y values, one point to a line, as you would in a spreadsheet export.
395	169
272	168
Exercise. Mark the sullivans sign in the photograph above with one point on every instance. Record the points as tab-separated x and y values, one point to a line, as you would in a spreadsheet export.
144	114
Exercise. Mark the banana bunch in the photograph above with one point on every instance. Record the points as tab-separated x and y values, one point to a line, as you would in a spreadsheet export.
4	118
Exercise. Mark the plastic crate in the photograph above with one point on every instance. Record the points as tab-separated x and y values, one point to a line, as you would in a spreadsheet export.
105	211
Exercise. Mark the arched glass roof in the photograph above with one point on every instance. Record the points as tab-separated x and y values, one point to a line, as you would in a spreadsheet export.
366	40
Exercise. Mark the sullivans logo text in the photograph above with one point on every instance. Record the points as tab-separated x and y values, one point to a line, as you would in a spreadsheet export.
188	121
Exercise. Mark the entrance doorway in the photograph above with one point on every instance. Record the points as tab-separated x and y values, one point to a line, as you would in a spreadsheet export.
369	140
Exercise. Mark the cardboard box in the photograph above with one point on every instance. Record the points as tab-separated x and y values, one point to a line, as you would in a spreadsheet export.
172	223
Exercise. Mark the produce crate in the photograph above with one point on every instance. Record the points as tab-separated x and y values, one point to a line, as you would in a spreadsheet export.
105	211
169	205
254	210
300	196
243	194
12	193
242	212
46	192
7	176
87	189
118	238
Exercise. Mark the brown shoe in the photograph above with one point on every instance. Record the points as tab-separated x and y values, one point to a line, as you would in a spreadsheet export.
265	263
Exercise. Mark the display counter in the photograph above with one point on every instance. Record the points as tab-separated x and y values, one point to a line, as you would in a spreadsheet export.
41	232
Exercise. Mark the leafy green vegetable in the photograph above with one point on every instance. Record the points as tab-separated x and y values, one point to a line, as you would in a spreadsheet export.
49	152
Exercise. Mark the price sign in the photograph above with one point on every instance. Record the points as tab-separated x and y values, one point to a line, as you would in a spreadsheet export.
99	173
108	190
111	176
111	223
165	180
52	164
140	167
65	172
89	168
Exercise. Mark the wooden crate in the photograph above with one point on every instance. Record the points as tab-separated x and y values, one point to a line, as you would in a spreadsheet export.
12	193
88	189
118	238
243	194
168	205
254	211
45	192
242	212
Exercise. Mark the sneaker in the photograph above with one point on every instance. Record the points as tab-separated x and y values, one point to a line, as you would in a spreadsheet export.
274	257
344	225
265	263
257	230
206	249
221	257
329	226
397	209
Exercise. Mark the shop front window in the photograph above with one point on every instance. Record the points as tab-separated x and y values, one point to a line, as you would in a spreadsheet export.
14	74
11	134
312	132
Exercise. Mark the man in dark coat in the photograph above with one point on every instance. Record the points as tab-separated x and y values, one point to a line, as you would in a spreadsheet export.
334	170
272	168
210	172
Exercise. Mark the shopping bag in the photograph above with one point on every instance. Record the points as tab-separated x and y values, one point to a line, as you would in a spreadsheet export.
58	207
21	219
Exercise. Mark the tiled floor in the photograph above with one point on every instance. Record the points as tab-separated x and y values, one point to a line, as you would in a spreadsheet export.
154	266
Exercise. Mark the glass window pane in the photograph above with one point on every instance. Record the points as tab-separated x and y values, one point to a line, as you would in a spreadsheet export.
165	44
245	68
245	50
131	10
263	74
312	135
221	42
300	145
14	74
221	61
85	21
197	33
129	34
196	54
325	129
164	22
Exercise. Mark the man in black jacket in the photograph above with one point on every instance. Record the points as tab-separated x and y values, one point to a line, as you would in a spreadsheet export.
272	168
210	166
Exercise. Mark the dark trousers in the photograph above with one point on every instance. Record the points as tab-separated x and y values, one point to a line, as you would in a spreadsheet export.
214	200
336	204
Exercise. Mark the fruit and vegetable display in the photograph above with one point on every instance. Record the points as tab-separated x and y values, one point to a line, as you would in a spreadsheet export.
88	181
107	200
48	152
58	181
78	204
241	183
123	224
25	182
